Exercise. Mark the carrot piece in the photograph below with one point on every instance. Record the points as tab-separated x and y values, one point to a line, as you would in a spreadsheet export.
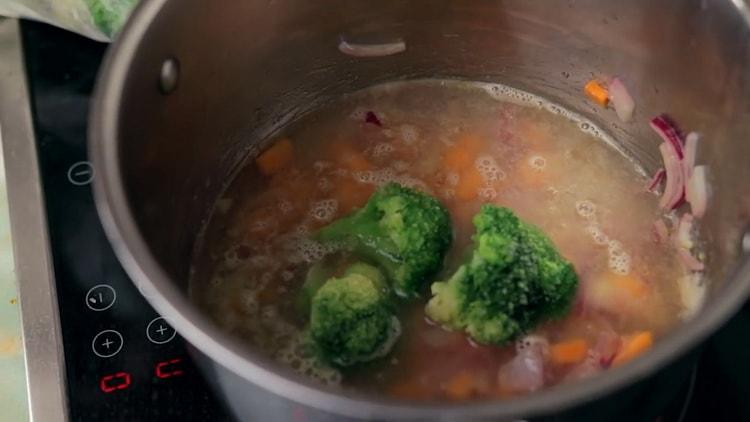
569	351
597	92
633	285
633	346
462	154
469	183
461	387
275	158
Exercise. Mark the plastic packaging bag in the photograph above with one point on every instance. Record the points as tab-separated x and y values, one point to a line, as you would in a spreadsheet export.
97	19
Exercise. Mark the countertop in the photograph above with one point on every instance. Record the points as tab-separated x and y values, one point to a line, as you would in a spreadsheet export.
13	379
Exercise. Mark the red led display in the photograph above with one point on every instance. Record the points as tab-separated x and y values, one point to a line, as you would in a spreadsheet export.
114	382
168	368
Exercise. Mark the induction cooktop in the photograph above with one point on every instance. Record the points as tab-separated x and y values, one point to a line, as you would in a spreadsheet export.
95	349
121	360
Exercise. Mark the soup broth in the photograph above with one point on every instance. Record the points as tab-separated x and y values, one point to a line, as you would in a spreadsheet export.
467	144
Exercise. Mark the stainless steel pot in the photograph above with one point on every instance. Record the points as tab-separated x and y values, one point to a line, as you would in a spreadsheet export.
193	87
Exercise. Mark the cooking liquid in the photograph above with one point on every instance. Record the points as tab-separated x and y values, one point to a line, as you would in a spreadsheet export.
467	144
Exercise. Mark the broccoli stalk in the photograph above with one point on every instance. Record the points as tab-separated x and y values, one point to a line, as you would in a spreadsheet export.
404	232
352	319
514	279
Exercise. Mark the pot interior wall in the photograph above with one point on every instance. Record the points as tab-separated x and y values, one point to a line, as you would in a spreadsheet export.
249	67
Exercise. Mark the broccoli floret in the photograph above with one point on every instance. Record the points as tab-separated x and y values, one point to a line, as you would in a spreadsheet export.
352	318
403	231
514	279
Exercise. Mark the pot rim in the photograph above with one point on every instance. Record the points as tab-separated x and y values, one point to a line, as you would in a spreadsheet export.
135	257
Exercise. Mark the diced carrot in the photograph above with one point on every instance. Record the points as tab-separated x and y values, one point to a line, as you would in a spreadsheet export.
469	183
633	346
462	154
569	351
275	158
631	284
461	387
597	92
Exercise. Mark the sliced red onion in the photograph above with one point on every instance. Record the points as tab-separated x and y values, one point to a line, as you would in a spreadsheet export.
606	347
372	50
669	132
660	231
675	187
586	369
371	117
696	191
690	262
524	373
656	180
691	148
621	100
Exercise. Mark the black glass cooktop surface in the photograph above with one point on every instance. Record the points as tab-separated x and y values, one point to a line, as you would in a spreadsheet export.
125	363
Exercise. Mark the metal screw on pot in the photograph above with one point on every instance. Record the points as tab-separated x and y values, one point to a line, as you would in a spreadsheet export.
169	76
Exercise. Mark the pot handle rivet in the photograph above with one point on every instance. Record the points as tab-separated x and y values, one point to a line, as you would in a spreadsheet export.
169	76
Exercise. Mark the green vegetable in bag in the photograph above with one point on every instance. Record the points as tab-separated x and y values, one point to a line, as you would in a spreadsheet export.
110	15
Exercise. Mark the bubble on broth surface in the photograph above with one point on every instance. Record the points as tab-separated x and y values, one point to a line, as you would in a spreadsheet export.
358	114
324	184
586	208
400	166
412	182
487	193
409	134
307	250
619	259
295	353
537	162
324	210
488	168
375	177
596	233
382	149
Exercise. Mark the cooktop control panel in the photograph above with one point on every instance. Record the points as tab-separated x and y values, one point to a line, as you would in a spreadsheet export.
123	361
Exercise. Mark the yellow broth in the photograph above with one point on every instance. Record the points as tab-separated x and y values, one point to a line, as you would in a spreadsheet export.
467	144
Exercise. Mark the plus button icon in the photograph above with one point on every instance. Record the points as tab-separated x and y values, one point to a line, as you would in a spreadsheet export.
107	343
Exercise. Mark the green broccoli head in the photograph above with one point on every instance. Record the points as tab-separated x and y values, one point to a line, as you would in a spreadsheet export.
404	231
352	318
514	279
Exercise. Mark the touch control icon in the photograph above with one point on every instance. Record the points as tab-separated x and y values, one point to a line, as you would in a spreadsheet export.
107	343
159	331
101	297
81	173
